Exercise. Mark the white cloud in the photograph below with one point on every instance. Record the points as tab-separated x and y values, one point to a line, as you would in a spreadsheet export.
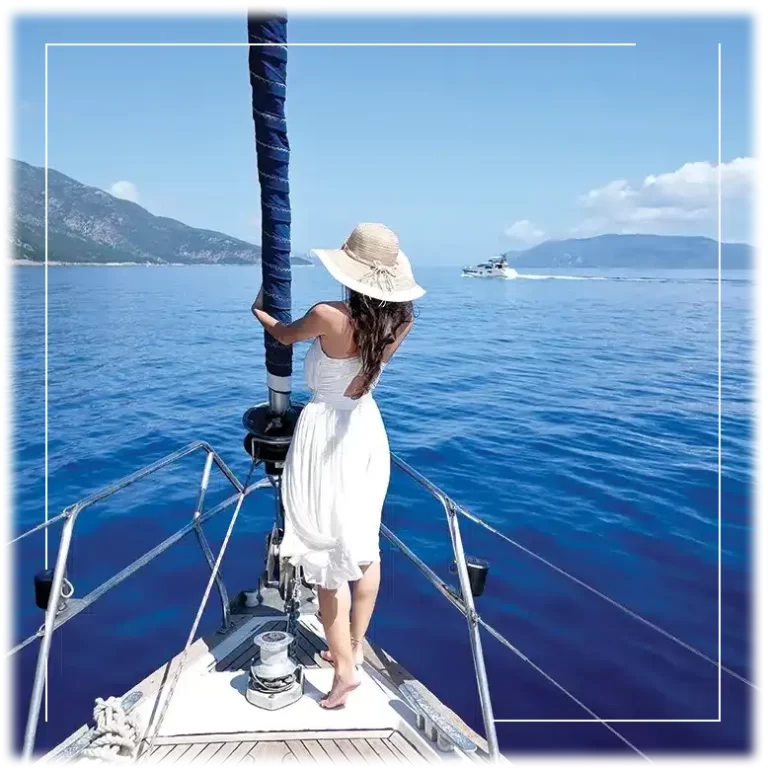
699	180
525	233
680	202
125	190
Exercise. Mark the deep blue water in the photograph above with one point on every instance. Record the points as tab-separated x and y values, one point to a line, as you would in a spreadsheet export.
577	416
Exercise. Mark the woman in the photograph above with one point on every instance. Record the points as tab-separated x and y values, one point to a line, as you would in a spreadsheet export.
337	468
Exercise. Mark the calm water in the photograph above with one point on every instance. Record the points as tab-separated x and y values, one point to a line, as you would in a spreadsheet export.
577	416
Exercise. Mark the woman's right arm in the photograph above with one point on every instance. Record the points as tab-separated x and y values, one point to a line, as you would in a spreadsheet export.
315	323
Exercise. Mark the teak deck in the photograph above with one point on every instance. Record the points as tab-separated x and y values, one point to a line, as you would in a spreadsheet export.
392	749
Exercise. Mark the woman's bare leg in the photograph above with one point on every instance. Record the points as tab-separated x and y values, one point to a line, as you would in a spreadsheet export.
335	616
364	593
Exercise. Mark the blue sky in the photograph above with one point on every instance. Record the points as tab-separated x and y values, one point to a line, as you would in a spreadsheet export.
464	152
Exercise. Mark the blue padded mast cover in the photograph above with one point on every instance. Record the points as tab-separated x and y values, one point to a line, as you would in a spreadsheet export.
267	64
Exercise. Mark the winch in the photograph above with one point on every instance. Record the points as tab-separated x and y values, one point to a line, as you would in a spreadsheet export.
275	680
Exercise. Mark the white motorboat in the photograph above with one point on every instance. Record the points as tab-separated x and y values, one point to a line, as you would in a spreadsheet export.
498	268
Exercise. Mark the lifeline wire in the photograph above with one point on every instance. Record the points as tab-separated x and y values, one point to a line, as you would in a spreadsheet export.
503	640
610	600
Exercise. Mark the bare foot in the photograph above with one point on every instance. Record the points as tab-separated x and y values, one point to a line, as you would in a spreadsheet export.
337	698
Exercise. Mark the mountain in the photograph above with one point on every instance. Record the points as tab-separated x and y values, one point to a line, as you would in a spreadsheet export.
652	251
88	225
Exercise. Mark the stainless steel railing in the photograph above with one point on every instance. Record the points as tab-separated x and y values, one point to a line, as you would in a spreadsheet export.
464	602
54	618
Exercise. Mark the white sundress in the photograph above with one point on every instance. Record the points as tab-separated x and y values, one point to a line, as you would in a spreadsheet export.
335	477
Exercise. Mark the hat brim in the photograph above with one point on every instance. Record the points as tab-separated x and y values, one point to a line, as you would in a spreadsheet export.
350	272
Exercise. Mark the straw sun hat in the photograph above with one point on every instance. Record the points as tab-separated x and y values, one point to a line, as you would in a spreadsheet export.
371	262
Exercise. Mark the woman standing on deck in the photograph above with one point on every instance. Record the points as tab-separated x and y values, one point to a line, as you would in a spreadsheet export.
337	470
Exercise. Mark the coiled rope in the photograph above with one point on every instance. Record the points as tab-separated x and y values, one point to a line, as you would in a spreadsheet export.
116	733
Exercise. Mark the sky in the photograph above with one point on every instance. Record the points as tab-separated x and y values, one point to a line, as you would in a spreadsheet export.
464	152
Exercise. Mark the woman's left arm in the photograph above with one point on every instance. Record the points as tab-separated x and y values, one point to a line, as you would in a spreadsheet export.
314	323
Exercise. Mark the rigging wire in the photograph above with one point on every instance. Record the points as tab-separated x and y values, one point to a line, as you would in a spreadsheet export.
605	597
503	640
193	630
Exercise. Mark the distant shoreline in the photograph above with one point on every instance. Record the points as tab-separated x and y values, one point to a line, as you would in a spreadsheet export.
528	269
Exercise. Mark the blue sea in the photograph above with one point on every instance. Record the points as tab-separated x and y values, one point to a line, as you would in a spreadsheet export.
577	416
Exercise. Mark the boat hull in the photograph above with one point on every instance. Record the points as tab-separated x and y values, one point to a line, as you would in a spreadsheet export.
502	274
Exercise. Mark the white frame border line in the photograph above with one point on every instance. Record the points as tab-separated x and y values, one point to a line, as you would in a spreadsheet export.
451	45
341	45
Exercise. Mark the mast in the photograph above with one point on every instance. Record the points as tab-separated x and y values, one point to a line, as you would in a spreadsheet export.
270	425
267	65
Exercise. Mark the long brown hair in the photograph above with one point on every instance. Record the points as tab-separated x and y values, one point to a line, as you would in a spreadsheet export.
376	325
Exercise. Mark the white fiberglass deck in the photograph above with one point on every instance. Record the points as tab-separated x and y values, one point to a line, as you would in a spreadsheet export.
210	700
210	720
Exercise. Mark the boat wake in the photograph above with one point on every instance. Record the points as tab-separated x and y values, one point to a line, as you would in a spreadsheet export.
512	274
501	272
518	276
